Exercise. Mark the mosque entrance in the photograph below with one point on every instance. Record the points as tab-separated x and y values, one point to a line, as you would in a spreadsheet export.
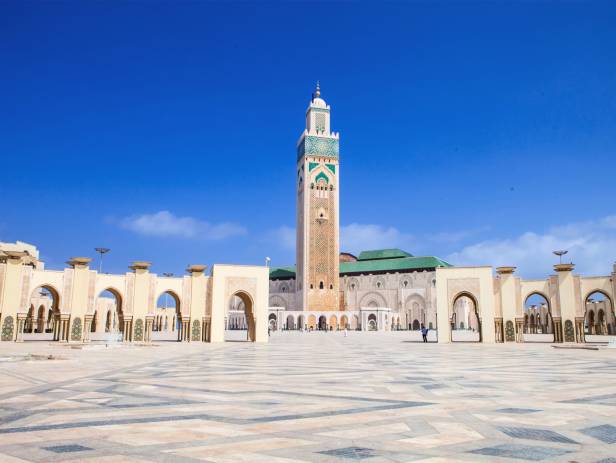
372	324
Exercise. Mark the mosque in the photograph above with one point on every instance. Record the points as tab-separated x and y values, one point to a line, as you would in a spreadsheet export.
384	289
327	290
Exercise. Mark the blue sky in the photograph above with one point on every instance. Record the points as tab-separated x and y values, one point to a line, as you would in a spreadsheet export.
484	133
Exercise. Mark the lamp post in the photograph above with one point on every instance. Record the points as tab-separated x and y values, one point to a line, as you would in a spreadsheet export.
101	251
560	255
267	261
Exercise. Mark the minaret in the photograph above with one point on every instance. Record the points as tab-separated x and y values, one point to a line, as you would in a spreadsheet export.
317	245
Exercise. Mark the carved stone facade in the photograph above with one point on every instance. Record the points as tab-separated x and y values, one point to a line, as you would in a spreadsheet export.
317	211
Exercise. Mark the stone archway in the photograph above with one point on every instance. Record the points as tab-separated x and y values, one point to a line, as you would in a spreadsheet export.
599	316
538	322
272	322
43	318
248	306
464	318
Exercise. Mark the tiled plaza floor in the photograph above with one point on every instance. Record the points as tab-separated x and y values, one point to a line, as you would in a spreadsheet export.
318	397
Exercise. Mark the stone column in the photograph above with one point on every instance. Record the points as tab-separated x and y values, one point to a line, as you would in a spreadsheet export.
64	327
558	329
128	329
205	323
519	330
498	328
149	323
185	329
140	300
11	281
507	294
21	322
579	330
87	327
567	302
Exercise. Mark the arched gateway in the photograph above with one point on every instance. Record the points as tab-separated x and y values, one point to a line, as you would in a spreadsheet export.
123	307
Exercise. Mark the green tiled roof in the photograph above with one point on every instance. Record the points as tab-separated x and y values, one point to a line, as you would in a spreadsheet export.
397	264
282	272
392	265
383	254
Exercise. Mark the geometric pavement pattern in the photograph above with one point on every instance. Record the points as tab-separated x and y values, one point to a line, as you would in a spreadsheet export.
307	397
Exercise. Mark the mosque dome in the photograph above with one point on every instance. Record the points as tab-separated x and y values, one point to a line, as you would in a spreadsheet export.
319	103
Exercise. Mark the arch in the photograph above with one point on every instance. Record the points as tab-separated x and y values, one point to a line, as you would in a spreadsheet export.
247	304
344	322
321	176
113	312
333	323
373	299
272	321
465	320
599	316
372	322
322	323
416	325
44	298
301	322
278	301
538	322
290	322
168	302
312	322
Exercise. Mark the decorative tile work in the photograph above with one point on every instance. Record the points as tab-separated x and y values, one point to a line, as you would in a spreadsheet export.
8	328
536	434
67	448
518	411
139	330
307	397
196	331
509	331
76	329
605	433
352	453
520	452
569	334
318	146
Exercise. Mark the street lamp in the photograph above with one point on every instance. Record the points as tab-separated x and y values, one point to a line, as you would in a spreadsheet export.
101	251
560	255
267	261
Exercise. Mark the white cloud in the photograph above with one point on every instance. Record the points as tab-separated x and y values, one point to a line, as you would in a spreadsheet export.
166	224
362	237
591	246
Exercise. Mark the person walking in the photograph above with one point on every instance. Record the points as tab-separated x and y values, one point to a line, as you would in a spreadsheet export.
424	333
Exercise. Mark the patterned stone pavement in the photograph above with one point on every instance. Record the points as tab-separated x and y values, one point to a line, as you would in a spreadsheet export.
312	397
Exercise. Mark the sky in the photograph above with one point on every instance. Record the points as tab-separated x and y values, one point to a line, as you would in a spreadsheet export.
480	132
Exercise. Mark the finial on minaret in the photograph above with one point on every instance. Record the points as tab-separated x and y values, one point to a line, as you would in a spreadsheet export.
318	92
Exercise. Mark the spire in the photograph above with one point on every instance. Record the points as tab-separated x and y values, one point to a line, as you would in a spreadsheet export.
317	93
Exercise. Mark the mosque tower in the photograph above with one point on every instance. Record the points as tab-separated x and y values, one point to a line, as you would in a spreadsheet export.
317	242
